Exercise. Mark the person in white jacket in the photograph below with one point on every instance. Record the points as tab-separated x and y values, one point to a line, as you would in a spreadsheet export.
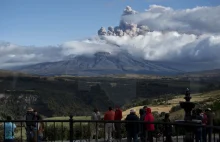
94	127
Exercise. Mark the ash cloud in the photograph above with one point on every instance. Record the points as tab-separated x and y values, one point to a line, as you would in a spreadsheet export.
125	27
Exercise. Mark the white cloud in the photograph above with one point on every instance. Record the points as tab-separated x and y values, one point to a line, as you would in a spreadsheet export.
198	20
154	46
190	35
12	55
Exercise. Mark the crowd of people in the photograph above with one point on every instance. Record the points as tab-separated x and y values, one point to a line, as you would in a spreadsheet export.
146	131
133	128
205	117
135	125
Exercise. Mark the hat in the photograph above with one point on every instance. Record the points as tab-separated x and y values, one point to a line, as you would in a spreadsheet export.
30	109
132	111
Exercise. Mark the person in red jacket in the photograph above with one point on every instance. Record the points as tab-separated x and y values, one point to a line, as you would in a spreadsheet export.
149	127
118	117
109	127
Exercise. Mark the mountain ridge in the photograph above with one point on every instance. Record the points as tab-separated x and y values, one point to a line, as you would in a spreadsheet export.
101	63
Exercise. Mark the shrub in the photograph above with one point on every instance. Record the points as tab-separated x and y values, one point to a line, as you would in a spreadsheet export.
175	108
62	133
162	114
56	133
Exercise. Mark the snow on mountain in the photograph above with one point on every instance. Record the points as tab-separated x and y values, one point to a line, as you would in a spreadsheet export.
101	63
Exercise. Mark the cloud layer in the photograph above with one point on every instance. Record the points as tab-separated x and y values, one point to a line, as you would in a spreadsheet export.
157	34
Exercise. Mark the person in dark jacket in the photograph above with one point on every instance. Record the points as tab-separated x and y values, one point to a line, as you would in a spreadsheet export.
132	128
199	118
142	126
204	122
167	129
149	127
29	126
210	117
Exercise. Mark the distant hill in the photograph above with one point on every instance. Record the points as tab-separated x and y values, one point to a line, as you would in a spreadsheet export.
8	73
204	73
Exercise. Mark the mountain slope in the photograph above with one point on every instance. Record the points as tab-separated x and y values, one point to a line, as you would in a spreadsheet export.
100	64
7	73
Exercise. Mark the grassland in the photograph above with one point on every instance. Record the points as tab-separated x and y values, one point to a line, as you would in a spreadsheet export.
197	98
67	118
20	131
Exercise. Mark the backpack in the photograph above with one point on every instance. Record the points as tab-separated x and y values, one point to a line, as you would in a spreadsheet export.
30	117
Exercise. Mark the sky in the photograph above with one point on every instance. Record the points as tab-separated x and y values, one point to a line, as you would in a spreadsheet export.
53	22
36	31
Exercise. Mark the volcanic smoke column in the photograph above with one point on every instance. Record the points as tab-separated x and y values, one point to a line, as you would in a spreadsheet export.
125	27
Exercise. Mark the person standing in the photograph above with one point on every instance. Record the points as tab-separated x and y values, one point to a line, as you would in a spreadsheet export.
40	128
210	117
199	118
35	125
132	128
167	128
149	127
9	129
30	124
204	122
109	127
142	126
94	126
118	117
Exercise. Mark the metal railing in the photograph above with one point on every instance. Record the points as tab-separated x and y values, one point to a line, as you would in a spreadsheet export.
89	130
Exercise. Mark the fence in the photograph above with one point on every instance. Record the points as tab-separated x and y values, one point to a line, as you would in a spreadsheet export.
83	130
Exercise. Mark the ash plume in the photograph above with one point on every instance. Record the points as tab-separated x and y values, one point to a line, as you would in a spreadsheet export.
125	28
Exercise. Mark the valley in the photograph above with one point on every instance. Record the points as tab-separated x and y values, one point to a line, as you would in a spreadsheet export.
65	95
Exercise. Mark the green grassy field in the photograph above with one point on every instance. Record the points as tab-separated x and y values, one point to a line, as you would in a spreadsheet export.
67	118
21	132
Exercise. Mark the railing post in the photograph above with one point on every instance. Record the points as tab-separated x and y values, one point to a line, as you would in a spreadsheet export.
71	128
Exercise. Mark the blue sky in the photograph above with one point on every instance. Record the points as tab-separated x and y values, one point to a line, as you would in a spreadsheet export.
52	22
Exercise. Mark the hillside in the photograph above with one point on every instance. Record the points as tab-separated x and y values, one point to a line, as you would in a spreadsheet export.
199	98
7	73
204	73
64	95
50	97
